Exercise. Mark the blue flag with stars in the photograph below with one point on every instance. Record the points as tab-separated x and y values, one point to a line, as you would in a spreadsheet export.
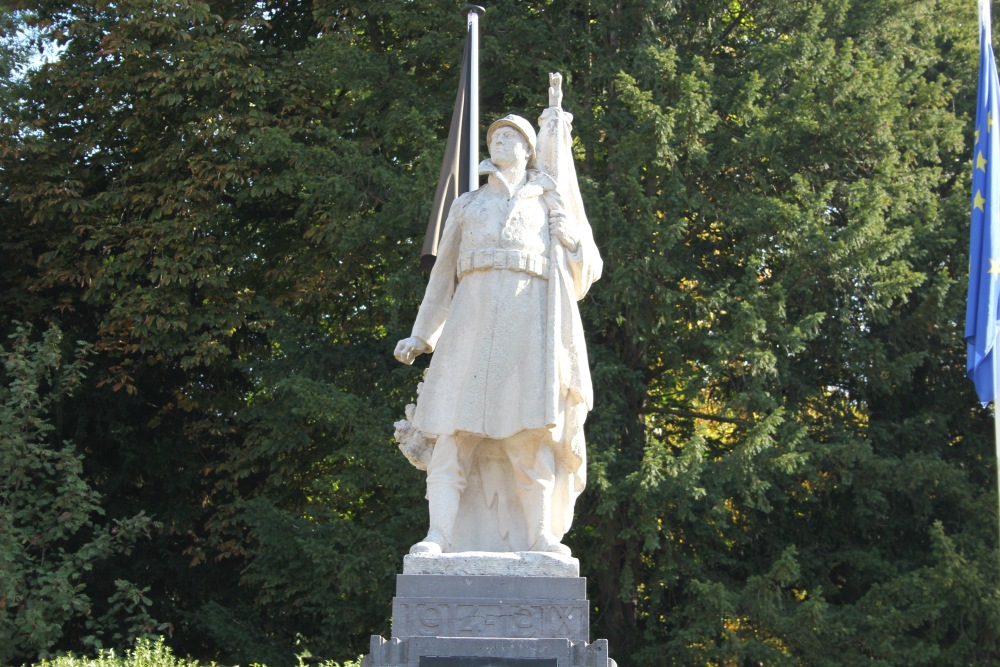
984	244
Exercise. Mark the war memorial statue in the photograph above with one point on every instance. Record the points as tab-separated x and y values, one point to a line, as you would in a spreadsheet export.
503	403
498	422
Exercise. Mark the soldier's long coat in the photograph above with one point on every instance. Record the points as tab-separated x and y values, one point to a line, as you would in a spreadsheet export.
500	314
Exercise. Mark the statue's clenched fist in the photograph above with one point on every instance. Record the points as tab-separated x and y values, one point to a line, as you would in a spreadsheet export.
409	348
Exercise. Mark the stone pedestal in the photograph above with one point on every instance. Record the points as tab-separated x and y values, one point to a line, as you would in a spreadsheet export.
442	616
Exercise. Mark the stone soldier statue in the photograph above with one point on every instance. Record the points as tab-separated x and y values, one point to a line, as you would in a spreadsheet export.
508	388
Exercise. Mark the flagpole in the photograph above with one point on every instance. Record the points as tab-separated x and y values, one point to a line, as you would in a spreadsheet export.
986	25
996	429
460	165
472	14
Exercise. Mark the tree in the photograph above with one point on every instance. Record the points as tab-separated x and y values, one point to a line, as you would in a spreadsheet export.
206	233
788	177
50	530
14	55
786	464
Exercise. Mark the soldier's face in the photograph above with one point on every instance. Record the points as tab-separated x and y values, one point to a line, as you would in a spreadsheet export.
508	147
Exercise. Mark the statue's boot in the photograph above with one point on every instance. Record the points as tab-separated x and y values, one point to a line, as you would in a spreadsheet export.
442	506
537	506
533	461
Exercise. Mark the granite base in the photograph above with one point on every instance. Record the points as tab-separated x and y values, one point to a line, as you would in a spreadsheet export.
489	621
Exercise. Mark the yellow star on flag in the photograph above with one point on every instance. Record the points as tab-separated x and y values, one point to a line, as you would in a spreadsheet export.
979	201
980	161
994	267
989	122
977	135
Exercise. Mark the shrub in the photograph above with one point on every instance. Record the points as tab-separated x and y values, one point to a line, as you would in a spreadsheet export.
152	653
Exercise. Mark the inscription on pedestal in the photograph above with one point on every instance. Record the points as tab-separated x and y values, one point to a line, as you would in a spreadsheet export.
492	619
489	621
472	661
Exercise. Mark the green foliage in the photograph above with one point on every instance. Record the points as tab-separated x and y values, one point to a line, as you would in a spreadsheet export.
14	55
787	465
149	653
50	535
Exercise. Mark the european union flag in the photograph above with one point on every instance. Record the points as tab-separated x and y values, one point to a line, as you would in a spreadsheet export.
984	244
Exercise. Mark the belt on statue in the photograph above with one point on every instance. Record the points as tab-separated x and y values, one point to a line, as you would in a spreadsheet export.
512	260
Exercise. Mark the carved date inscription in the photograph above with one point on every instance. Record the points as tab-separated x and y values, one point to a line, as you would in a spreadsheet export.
471	619
476	661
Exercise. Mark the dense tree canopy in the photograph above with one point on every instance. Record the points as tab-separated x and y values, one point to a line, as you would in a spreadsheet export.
224	202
